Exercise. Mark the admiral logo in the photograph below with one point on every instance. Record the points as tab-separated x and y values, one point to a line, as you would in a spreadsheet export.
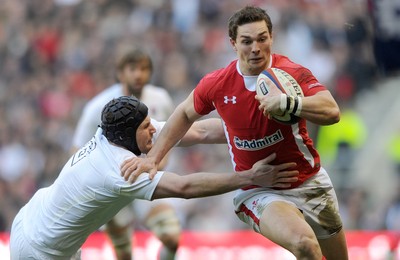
227	99
258	144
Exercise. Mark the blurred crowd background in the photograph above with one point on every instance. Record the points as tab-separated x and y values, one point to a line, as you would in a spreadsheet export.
57	54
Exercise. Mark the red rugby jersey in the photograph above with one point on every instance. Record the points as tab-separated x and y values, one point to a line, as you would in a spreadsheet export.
252	136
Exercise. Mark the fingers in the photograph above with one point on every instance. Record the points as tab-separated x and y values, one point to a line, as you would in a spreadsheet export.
152	173
287	174
285	179
128	163
133	167
279	167
132	176
284	166
130	169
268	159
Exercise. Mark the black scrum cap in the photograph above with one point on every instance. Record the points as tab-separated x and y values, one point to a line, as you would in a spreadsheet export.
121	118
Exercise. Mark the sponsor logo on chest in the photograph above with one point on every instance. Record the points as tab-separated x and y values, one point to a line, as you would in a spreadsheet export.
258	144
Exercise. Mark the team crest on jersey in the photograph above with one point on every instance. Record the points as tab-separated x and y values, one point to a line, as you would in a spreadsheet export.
84	151
258	144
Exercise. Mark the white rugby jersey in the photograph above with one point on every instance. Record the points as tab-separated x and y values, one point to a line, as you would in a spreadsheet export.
88	192
157	99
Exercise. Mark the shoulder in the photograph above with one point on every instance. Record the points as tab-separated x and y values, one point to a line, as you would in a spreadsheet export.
307	81
297	71
218	80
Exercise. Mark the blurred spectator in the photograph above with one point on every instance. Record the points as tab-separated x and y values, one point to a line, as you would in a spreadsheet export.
394	152
393	210
339	143
386	37
354	203
393	213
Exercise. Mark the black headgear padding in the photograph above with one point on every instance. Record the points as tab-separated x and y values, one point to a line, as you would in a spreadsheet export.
121	118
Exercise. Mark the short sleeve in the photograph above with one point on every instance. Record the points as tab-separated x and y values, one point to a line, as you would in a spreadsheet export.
201	97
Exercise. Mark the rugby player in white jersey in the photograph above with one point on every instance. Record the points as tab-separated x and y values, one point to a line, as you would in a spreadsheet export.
89	191
134	70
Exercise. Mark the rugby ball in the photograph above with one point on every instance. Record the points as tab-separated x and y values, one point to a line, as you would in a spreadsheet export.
273	80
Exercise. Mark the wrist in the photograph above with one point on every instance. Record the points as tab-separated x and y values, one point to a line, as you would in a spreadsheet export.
291	104
245	177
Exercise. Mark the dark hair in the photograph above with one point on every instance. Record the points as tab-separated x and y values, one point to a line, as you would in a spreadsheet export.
120	120
134	56
247	15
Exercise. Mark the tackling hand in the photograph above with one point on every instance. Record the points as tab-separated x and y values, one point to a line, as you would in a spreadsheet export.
133	167
273	176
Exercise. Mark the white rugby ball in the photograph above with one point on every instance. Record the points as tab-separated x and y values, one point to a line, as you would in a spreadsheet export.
273	79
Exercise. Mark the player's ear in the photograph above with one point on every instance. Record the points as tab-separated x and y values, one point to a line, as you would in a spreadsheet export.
233	43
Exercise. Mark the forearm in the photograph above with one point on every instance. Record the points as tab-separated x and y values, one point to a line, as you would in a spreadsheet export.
207	131
201	184
174	129
209	184
164	161
320	109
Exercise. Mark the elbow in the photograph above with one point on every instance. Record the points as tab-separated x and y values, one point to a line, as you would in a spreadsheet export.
184	190
331	117
334	116
328	117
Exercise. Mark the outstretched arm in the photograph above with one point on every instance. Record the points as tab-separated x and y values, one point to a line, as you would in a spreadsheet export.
208	184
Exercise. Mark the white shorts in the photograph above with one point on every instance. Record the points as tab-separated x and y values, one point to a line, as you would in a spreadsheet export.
315	198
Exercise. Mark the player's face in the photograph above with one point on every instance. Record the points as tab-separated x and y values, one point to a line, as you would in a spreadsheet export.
134	77
144	135
253	47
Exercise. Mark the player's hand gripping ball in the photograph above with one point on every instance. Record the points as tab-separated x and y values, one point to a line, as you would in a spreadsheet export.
274	79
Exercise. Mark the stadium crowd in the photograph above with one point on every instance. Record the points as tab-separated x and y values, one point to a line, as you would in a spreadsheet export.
57	54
